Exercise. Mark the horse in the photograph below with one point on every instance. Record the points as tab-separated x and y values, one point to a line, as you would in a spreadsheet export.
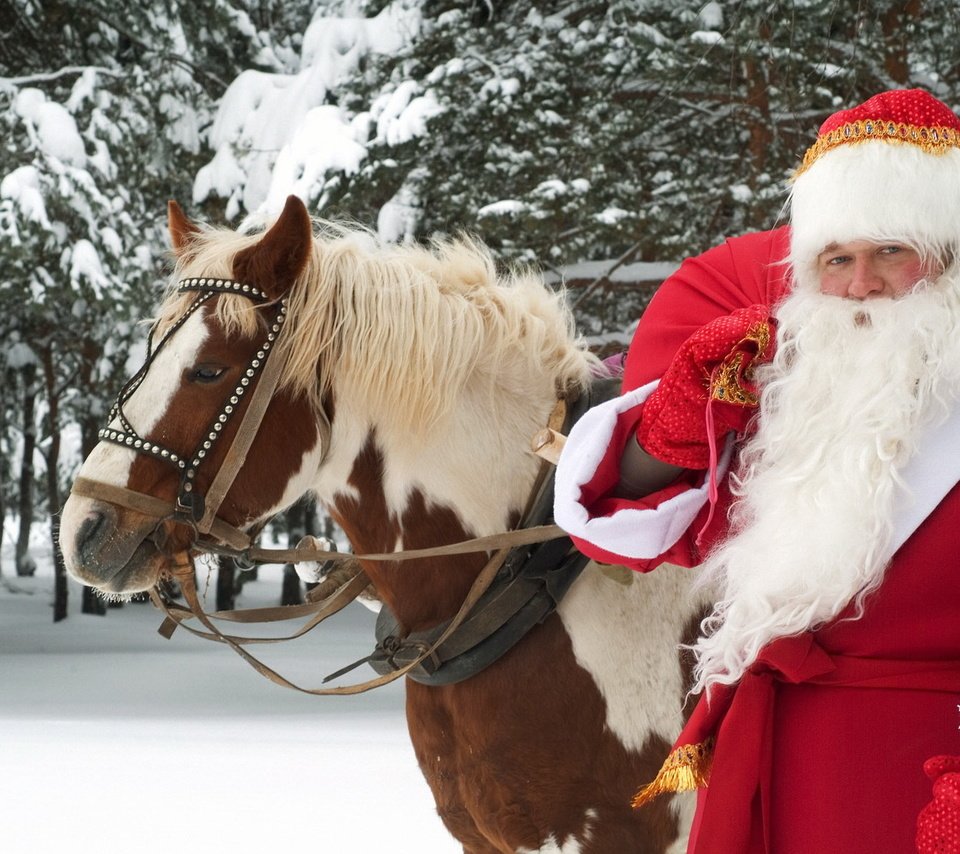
410	381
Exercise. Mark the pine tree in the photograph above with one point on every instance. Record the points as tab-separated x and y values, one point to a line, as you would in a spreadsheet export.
102	111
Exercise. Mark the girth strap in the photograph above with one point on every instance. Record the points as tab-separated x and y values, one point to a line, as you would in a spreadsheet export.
528	589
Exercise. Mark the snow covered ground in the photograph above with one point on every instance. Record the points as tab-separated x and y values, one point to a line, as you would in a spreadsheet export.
114	740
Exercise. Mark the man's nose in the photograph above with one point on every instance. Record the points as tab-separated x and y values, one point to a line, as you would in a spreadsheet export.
864	280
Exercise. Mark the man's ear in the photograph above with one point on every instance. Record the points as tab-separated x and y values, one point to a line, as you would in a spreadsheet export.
182	230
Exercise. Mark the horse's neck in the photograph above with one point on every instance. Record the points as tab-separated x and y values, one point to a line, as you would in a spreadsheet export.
467	477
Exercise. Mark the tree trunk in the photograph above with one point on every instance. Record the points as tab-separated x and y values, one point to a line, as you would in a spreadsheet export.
90	601
758	98
53	486
226	584
60	590
898	36
24	563
291	592
3	482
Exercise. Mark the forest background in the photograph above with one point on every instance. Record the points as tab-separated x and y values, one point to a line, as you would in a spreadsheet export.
593	140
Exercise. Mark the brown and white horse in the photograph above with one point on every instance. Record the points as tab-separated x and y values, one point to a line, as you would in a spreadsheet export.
433	375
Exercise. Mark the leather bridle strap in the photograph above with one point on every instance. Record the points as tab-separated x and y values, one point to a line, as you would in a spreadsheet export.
240	542
237	452
184	574
507	539
317	611
147	505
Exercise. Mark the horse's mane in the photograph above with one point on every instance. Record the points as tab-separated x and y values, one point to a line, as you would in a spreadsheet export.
407	327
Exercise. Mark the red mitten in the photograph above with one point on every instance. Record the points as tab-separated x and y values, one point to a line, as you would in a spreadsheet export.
714	366
938	825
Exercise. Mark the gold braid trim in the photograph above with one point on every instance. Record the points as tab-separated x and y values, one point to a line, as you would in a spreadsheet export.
725	385
933	140
687	768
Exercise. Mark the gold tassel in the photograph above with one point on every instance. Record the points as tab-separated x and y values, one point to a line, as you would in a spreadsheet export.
687	768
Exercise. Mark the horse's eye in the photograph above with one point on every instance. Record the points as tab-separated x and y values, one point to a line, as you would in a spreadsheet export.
206	373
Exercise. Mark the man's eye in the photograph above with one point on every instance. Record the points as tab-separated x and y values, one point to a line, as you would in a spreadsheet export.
206	374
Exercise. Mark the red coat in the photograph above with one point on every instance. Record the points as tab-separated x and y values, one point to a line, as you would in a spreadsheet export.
820	747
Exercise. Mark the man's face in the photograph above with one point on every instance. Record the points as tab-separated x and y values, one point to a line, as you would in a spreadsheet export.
861	269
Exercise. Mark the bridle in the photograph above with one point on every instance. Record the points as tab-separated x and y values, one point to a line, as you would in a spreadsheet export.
215	535
190	506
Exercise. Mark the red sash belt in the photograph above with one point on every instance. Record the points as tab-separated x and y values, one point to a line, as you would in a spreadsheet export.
740	718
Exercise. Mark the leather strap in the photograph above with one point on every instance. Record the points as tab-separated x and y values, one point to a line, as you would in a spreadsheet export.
507	539
157	508
184	574
246	433
160	509
332	604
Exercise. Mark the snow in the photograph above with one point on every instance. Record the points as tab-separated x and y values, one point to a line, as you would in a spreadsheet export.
402	114
611	215
711	16
83	89
277	134
323	142
115	740
504	207
397	218
53	128
639	271
23	187
85	264
18	355
708	37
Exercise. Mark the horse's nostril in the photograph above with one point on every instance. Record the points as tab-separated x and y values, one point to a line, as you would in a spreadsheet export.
90	531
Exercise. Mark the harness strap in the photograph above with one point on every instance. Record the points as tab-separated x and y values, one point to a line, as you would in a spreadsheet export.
160	509
184	574
237	452
332	604
157	508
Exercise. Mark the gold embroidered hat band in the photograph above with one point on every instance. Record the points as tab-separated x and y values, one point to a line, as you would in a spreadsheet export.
886	170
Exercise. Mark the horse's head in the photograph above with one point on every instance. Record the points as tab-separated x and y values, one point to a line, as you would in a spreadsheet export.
183	419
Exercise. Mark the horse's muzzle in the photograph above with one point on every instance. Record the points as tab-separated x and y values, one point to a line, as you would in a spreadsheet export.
109	548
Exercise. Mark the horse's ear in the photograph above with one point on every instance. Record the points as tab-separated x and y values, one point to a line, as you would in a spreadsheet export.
182	229
274	263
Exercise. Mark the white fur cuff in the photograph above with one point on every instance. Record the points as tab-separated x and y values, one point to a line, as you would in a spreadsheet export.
639	533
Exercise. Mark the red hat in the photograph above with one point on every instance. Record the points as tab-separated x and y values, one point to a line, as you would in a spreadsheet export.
887	170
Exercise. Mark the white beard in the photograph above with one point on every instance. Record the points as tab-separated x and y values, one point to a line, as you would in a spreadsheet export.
851	388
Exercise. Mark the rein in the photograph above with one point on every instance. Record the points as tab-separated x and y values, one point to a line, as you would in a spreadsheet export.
184	574
238	543
214	535
423	651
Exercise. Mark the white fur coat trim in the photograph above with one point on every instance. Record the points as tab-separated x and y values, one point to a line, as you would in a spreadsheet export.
637	533
645	533
928	476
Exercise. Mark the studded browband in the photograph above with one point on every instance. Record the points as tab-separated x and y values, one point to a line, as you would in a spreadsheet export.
191	507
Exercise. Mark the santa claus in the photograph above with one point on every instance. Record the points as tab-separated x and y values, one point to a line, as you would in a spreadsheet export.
790	421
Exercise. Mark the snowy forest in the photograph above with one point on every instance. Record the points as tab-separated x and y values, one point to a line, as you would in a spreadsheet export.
598	141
